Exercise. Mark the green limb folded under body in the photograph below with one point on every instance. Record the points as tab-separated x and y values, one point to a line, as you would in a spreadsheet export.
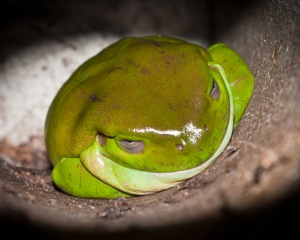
239	76
72	177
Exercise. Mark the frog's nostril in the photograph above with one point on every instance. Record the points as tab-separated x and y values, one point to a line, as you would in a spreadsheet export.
215	91
179	147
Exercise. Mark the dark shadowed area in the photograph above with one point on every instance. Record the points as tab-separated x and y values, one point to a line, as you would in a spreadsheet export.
252	191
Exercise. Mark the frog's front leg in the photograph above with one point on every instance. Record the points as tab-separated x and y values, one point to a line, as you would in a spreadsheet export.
72	177
239	76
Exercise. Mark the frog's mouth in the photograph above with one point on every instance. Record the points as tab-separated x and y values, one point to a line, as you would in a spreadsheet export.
138	182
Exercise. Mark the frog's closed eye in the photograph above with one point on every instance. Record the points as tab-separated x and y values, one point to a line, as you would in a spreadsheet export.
215	91
131	146
102	139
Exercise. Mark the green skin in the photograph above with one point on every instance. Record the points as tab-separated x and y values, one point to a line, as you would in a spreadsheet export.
143	115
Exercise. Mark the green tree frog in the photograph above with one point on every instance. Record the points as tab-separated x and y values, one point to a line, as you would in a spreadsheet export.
143	115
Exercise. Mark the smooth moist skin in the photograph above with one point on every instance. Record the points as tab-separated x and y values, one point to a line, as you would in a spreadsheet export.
143	115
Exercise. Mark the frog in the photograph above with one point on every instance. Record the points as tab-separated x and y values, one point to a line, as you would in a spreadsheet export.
143	115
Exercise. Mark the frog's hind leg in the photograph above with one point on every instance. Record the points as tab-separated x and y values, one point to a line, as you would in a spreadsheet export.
239	76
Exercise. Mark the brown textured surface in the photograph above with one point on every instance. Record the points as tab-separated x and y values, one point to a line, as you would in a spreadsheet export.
252	189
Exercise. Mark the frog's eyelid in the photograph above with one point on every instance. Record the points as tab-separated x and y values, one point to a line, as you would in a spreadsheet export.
215	91
131	146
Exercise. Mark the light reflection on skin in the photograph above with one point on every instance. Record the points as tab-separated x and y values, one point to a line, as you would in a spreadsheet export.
192	132
189	130
159	132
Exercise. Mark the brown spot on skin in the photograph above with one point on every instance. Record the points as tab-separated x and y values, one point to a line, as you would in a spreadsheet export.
94	98
179	147
182	105
116	106
170	57
168	60
130	62
145	71
206	128
171	107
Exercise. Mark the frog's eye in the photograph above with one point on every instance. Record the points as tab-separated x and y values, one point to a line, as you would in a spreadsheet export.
132	146
102	139
215	91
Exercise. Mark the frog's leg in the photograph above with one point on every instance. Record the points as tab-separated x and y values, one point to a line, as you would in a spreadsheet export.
239	76
72	177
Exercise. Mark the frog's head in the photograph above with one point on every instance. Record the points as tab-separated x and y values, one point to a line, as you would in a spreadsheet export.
154	104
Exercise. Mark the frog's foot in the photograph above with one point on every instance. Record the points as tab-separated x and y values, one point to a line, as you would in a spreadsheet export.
71	176
239	76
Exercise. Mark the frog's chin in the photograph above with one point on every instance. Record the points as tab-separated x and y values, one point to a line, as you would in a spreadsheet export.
129	180
139	182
